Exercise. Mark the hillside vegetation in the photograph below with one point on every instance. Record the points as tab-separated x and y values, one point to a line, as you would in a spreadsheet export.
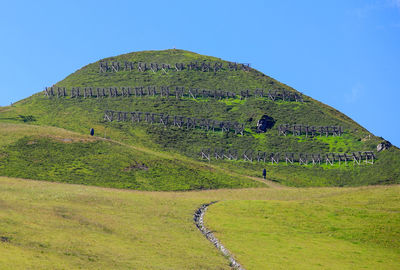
57	226
352	229
55	154
80	114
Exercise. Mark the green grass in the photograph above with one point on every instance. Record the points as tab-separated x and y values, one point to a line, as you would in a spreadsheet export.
57	155
60	226
10	133
383	171
353	229
336	144
57	226
79	115
189	143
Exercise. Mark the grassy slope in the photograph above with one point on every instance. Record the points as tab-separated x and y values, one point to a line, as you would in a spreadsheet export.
79	115
352	229
58	226
56	154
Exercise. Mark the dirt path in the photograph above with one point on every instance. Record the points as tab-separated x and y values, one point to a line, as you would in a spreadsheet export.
198	220
142	149
270	183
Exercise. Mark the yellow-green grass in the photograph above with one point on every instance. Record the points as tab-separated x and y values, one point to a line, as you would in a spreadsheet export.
11	133
60	226
351	229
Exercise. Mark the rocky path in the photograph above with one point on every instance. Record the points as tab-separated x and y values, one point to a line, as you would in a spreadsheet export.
198	220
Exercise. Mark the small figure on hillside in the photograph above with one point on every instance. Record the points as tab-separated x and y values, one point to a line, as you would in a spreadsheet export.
91	131
264	173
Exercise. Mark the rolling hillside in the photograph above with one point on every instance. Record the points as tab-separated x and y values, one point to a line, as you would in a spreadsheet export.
140	155
58	226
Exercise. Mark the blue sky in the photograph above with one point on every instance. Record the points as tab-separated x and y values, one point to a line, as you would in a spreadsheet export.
343	53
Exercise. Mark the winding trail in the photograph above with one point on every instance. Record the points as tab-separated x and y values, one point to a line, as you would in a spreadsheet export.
170	156
198	220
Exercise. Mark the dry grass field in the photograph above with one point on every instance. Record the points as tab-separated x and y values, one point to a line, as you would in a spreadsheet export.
47	225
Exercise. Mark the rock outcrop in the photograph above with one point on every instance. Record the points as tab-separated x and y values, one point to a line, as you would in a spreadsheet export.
198	220
383	146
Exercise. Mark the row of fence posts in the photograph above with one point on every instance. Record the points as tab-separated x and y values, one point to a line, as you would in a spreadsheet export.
177	121
116	66
299	129
166	91
366	157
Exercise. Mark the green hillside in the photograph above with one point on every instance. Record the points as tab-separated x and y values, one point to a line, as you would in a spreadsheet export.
57	226
119	160
55	154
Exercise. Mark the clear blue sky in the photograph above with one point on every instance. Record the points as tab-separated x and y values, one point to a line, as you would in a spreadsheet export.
345	53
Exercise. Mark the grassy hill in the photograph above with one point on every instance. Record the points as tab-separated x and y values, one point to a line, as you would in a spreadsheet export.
179	147
263	223
58	226
55	154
